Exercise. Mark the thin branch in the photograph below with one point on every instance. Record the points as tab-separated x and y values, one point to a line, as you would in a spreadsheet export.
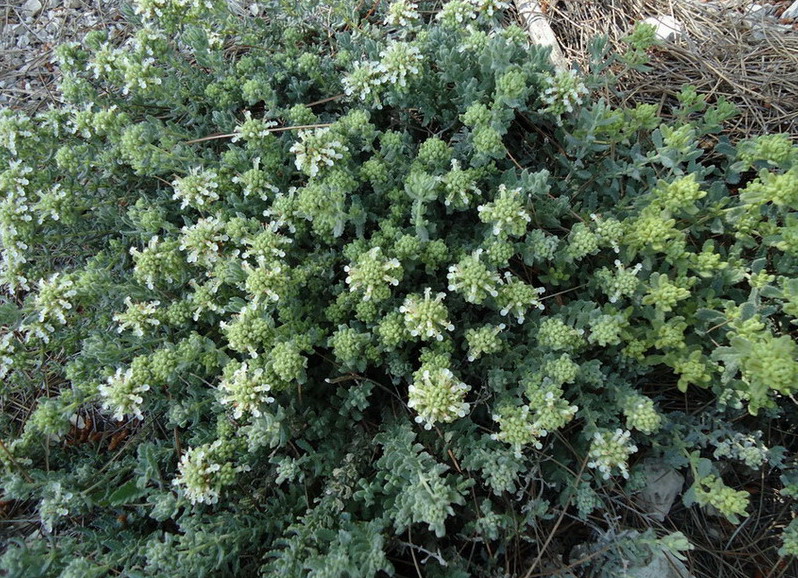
269	130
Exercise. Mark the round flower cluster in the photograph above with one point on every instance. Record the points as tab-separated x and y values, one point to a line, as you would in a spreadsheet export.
680	139
750	328
163	364
679	194
708	263
517	297
790	540
586	500
484	340
781	189
197	189
620	283
711	491
641	414
50	418
255	182
507	214
374	274
204	298
488	144
771	364
669	335
202	474
473	279
540	246
475	41
606	329
776	149
609	231
402	14
476	115
664	294
554	334
178	313
459	186
13	126
137	317
266	245
392	331
407	247
435	254
426	317
437	396
57	203
489	7
498	251
202	240
399	61
159	261
52	303
434	153
511	86
581	242
122	394
653	230
562	93
552	410
252	130
138	74
349	346
611	450
694	369
249	331
456	13
561	370
287	362
517	428
316	149
363	82
264	282
245	389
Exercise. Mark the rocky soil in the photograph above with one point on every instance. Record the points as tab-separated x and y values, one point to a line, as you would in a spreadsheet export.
29	30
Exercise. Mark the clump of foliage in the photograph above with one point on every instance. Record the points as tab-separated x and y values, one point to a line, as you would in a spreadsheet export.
325	291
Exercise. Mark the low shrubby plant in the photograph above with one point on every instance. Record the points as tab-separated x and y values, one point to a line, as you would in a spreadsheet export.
338	290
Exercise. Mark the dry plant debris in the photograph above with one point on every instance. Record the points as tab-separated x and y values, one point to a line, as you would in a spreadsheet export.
729	48
30	30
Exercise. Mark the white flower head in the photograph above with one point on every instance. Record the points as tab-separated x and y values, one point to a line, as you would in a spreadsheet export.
438	396
122	396
138	317
197	189
610	451
246	390
315	149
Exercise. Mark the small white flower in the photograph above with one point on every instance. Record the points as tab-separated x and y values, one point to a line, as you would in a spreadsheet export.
196	189
315	149
122	396
137	317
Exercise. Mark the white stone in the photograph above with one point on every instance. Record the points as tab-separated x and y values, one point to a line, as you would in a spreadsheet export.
668	28
31	7
792	11
663	486
663	565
